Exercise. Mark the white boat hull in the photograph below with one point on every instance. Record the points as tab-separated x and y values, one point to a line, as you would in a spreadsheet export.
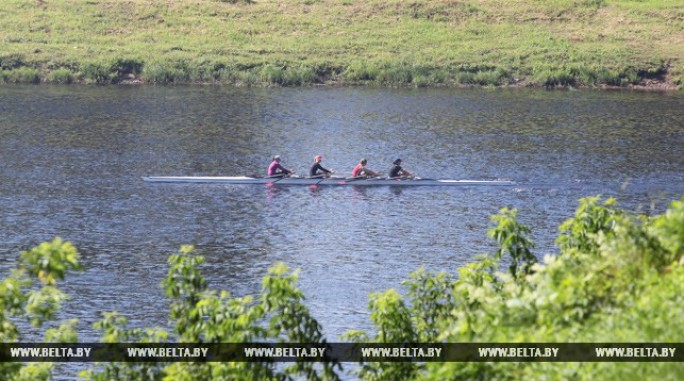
328	181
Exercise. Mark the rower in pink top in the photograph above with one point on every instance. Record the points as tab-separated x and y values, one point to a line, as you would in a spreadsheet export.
277	170
361	171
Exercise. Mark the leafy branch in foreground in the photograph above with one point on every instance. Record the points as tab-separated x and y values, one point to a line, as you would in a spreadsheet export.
202	315
513	239
617	278
30	293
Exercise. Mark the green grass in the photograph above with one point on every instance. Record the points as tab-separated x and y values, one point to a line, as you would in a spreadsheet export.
373	42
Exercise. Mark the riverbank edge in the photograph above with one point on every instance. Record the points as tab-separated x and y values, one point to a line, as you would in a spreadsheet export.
125	71
136	74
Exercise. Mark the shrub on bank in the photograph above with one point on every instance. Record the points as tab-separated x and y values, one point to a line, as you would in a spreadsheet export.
21	75
61	75
287	74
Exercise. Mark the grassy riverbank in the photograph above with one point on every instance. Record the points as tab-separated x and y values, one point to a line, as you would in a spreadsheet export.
380	42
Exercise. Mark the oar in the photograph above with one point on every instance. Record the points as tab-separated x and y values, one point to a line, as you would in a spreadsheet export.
378	175
279	176
275	179
350	179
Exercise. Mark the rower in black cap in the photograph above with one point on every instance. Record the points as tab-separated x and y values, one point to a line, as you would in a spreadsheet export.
398	171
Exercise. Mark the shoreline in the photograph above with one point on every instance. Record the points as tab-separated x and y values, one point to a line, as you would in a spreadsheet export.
664	87
118	76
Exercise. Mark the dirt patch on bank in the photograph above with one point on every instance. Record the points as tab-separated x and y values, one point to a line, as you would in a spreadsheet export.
661	81
665	84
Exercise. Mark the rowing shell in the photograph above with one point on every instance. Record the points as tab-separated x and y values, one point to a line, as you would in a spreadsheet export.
315	181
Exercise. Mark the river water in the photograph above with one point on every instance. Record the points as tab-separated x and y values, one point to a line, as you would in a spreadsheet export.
73	157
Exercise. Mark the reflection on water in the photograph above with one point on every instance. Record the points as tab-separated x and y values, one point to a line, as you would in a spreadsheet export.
73	158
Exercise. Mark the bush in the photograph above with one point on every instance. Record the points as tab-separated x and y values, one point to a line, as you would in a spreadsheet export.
555	77
98	73
272	74
22	75
617	278
62	75
360	72
31	294
394	75
12	61
201	315
125	66
163	73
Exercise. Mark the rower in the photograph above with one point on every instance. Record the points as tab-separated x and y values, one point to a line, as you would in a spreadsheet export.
317	169
275	169
398	171
360	170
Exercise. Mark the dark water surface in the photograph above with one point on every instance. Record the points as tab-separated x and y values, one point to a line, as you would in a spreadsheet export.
72	160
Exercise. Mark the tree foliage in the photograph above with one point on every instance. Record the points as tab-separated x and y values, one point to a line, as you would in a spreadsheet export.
30	294
617	277
202	315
